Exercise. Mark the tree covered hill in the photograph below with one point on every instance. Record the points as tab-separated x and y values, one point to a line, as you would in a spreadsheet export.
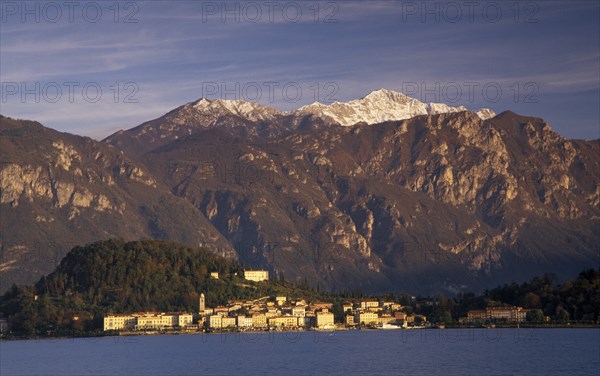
143	275
116	276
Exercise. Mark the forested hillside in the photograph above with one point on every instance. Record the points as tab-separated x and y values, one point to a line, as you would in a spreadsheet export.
573	300
117	276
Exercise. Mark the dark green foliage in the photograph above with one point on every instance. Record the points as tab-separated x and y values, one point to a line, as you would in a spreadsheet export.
122	277
535	316
577	300
114	276
143	275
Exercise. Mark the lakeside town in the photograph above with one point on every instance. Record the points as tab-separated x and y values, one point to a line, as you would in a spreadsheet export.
175	290
280	313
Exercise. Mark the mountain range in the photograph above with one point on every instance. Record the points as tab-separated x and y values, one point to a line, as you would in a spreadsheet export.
384	193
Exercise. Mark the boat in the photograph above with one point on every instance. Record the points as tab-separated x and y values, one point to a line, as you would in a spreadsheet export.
387	326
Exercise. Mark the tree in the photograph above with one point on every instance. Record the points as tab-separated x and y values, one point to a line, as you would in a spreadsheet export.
535	316
562	315
531	301
203	270
446	317
338	311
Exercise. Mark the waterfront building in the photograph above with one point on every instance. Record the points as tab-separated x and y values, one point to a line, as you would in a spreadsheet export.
512	314
366	318
185	319
119	322
283	321
259	321
244	321
228	322
324	319
151	320
385	319
215	321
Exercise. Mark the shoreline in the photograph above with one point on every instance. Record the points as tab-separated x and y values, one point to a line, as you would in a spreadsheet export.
328	331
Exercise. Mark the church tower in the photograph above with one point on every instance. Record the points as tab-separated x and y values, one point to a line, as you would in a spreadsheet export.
202	303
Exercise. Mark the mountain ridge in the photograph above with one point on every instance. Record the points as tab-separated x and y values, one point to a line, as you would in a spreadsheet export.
382	105
443	202
255	120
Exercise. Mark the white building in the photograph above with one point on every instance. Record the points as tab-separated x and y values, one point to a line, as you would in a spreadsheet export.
256	275
185	319
215	321
324	320
299	311
244	322
119	322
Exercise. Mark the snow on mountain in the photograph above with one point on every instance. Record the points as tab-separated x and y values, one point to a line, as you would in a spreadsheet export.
379	106
486	113
258	120
248	110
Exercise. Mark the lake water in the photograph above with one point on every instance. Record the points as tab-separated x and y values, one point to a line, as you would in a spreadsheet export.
397	352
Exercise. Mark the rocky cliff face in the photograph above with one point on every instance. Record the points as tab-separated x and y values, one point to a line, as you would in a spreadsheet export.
58	190
447	202
433	202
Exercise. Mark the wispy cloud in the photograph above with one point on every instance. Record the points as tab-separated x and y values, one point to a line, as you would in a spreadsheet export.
174	50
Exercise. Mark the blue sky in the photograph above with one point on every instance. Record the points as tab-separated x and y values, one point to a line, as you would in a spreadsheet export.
544	57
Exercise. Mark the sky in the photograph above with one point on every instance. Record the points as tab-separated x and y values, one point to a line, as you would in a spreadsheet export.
94	67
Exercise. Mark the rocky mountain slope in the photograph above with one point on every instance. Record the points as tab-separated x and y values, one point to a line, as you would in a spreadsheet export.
58	190
251	120
243	119
446	202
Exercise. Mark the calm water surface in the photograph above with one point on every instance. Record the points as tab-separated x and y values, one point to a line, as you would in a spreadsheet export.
398	352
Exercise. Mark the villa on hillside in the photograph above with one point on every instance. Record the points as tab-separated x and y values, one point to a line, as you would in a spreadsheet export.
256	275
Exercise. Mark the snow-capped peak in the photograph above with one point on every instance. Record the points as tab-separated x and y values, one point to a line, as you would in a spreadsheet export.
382	105
312	105
486	113
245	109
376	107
382	93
